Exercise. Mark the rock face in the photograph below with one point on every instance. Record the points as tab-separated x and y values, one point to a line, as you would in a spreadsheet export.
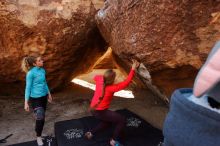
171	38
106	61
64	32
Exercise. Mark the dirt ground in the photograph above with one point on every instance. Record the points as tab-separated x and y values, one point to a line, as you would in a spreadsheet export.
69	104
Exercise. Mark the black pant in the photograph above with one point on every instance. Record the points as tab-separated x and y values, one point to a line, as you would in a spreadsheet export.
36	103
213	103
108	117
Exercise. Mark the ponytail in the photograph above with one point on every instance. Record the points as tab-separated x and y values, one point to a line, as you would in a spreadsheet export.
24	65
28	62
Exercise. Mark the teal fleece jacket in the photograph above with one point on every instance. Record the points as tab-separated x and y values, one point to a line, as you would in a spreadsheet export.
36	84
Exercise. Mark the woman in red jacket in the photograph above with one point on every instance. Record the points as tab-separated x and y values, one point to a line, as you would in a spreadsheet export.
101	100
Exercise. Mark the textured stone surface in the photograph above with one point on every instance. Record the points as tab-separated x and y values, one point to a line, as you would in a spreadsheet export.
106	61
171	38
62	31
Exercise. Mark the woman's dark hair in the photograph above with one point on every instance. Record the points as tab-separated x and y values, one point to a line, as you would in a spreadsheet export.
109	77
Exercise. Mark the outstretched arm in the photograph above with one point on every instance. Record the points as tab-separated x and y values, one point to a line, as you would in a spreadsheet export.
125	83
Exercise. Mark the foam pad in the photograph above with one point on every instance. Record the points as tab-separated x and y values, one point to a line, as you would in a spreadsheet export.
48	141
137	132
190	124
209	74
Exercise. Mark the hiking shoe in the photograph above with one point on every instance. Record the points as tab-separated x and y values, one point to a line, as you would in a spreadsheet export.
40	141
115	143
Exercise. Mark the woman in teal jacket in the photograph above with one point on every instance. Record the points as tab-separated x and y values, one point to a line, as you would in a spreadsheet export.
36	91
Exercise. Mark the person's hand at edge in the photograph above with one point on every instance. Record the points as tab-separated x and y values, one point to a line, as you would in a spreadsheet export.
26	106
50	99
135	64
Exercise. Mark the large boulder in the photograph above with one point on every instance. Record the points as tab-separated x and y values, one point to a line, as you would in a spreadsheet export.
171	38
106	61
64	32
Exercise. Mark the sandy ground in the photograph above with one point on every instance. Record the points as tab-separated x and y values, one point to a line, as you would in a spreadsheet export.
69	104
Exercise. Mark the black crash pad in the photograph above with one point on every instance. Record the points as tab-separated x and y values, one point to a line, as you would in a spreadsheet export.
136	133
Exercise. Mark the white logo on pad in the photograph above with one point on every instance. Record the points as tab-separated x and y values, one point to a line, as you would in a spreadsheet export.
133	122
73	133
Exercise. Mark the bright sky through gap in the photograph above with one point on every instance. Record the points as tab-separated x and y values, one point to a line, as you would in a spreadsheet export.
122	93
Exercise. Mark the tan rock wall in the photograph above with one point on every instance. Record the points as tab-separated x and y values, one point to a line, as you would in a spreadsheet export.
171	38
62	31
